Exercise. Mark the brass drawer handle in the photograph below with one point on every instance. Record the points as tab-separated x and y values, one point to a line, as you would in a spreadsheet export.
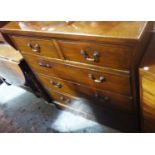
86	56
101	78
102	98
34	48
62	98
43	64
56	84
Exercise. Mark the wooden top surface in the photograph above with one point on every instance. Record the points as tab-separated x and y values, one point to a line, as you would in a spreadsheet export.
9	53
132	30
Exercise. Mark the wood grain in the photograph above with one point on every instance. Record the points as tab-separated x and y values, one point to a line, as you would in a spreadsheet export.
116	32
120	45
147	88
112	56
103	98
119	84
46	47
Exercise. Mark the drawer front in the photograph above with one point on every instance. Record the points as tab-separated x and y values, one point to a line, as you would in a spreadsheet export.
100	80
113	118
35	46
114	56
102	98
58	97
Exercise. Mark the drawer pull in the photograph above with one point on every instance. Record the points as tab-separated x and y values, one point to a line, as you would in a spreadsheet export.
86	56
64	100
55	84
44	65
34	48
102	98
101	78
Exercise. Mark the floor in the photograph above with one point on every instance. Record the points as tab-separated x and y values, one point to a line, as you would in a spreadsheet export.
22	112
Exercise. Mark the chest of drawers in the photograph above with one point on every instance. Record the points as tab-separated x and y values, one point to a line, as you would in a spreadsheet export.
93	62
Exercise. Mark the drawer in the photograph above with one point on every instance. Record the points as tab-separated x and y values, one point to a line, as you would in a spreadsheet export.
113	118
75	104
40	47
102	98
97	79
58	97
113	56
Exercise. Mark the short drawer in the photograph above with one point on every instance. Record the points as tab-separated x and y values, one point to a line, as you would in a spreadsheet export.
113	56
40	47
98	97
97	79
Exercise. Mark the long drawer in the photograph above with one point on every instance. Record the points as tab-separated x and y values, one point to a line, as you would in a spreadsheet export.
42	47
97	79
98	97
113	118
106	55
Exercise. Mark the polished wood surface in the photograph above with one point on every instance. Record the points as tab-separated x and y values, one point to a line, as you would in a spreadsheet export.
103	98
106	55
88	109
111	82
117	57
58	97
147	86
102	31
89	58
114	118
40	47
148	60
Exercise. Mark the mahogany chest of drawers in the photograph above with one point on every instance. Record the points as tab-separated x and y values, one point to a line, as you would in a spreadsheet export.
86	63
